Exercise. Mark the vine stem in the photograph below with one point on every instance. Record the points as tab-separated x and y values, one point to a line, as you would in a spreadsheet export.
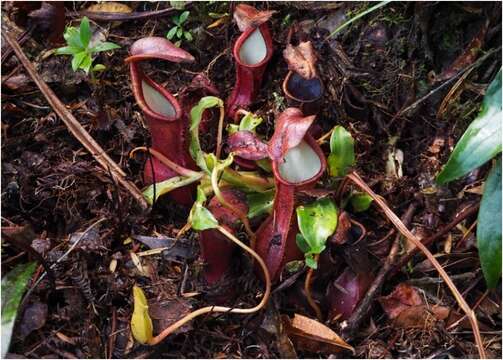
165	161
243	217
222	309
357	180
307	289
220	132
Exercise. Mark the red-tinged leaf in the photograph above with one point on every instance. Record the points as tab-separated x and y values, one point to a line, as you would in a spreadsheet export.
301	59
247	16
247	145
346	292
225	216
291	127
157	48
403	297
311	335
342	233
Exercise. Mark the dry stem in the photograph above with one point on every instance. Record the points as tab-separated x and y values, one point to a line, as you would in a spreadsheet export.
220	131
223	309
354	177
307	289
165	161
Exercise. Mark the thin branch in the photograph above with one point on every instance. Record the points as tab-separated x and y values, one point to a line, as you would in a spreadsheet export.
350	326
166	161
220	132
222	309
75	127
355	178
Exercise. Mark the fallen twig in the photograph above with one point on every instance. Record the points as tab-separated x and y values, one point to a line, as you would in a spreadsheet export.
75	127
471	210
355	178
353	323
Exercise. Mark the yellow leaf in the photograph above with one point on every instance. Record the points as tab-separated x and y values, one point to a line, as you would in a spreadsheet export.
141	323
218	22
109	7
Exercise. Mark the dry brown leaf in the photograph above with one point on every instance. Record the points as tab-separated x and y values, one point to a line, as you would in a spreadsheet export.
247	16
421	316
311	335
301	59
110	7
218	22
403	297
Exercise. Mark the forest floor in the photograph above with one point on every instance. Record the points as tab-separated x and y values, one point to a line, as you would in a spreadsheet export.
388	79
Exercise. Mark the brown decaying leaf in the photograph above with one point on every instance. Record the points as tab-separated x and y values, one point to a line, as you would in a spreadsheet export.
407	309
247	16
247	145
342	235
311	335
166	313
301	59
51	18
34	318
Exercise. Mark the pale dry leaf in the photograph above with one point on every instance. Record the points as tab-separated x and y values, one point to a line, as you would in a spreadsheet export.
247	17
110	7
311	335
301	59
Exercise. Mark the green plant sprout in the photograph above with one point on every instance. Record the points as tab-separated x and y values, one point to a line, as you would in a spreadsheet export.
83	51
178	31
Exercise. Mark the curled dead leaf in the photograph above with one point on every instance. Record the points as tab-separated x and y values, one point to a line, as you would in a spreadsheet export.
311	335
301	59
247	16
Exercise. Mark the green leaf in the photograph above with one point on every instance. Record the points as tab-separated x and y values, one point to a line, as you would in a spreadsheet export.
13	287
78	59
183	17
481	141
72	37
67	50
201	218
171	33
179	32
360	201
317	221
164	187
260	203
311	262
99	67
342	152
188	36
302	243
178	43
86	63
104	46
196	115
489	227
249	122
141	323
85	32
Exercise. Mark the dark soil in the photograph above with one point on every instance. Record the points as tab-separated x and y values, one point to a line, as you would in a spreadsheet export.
372	71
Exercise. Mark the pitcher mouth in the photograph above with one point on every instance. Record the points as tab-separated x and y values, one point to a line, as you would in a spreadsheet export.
302	90
154	100
307	150
253	47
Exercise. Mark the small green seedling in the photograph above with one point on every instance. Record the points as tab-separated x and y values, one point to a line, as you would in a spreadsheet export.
178	31
78	41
